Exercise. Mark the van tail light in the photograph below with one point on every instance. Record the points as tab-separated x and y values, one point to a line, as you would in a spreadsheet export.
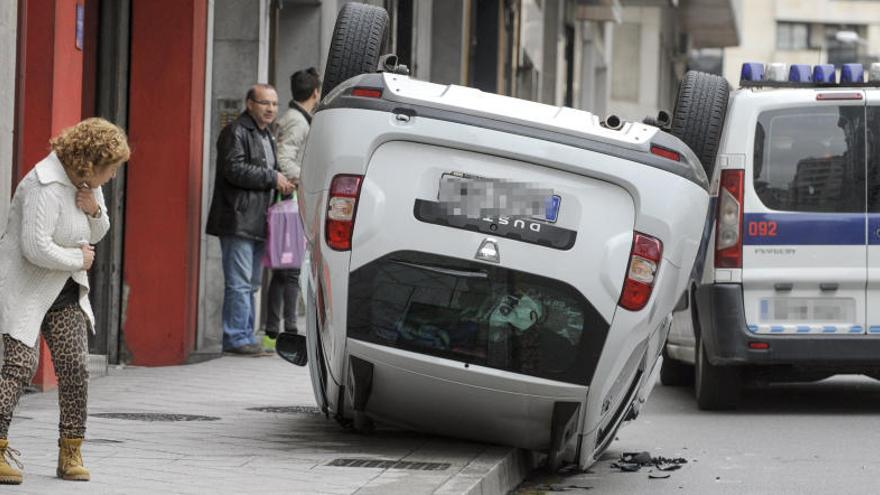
367	92
341	208
666	153
644	261
728	227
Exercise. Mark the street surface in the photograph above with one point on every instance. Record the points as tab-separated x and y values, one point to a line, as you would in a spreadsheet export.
789	439
255	430
236	425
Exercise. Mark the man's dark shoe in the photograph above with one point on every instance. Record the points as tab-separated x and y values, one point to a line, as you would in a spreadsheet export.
293	330
245	350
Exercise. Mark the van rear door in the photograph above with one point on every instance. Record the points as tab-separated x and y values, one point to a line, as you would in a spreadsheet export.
804	227
873	200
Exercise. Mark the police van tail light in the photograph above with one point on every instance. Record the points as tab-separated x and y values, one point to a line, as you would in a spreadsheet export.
341	208
728	227
644	261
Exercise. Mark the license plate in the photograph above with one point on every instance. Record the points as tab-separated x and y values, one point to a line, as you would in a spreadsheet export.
478	197
806	309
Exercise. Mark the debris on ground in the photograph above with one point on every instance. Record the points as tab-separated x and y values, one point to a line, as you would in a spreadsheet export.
631	462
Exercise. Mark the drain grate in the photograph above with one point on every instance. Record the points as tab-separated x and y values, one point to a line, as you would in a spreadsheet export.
155	417
287	409
385	464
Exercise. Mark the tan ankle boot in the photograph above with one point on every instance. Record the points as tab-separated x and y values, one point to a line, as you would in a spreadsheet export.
70	461
8	474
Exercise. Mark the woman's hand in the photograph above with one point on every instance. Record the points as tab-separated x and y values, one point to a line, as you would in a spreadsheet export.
85	201
88	255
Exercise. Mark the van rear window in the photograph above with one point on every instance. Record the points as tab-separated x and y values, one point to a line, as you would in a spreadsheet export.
811	159
476	313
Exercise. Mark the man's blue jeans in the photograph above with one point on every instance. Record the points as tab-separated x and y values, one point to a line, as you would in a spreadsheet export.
242	271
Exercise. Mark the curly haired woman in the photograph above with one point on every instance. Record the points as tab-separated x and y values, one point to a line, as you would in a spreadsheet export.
57	214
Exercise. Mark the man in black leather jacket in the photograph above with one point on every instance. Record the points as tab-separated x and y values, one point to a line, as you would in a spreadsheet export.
245	180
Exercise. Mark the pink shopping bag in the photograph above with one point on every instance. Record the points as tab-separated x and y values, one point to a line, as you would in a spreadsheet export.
286	241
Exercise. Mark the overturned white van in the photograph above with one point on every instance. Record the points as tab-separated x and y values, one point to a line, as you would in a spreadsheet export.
486	267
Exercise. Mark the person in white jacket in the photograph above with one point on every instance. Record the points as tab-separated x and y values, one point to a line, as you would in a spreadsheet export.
57	214
293	129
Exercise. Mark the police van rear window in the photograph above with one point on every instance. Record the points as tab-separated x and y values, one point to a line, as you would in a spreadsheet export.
811	159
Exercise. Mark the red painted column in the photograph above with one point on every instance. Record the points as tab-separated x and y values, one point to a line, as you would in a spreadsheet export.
49	96
163	195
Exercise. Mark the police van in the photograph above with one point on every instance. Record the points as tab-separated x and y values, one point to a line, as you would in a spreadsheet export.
789	289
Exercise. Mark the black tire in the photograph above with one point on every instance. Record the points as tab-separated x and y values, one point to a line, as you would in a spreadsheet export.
717	387
699	115
360	37
674	373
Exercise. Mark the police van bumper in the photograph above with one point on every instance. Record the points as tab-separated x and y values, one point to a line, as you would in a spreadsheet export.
727	341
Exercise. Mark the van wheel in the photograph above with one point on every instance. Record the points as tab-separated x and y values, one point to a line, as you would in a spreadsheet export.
699	114
674	373
360	37
717	387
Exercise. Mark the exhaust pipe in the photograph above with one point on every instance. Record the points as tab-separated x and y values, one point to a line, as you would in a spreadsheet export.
613	122
664	120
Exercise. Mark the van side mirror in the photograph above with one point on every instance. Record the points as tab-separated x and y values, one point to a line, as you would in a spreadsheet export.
292	348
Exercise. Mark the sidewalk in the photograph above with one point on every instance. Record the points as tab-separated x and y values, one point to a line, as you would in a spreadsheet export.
257	431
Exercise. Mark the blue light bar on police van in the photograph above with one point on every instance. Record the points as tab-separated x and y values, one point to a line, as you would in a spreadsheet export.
752	71
824	73
874	72
777	72
800	73
852	73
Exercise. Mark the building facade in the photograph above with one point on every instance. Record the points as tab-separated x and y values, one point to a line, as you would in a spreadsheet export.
651	45
799	32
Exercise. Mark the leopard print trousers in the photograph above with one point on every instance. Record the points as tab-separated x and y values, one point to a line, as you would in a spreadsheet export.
65	331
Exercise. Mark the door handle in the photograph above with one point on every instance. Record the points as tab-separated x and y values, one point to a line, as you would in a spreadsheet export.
828	286
783	287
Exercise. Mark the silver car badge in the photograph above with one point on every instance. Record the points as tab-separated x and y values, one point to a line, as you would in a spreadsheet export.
489	251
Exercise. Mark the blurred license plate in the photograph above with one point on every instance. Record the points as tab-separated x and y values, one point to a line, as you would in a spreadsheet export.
806	310
479	197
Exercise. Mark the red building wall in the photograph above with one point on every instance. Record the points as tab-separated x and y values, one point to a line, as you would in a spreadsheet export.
48	94
163	195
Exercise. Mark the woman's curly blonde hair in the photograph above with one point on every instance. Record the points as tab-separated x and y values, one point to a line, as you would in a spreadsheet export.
92	144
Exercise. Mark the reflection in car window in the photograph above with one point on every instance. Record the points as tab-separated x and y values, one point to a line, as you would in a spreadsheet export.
873	135
811	159
476	313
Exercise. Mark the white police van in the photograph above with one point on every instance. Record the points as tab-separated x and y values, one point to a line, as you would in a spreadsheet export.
539	328
790	285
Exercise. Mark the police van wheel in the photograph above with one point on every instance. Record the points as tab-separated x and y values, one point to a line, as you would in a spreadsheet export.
699	114
717	387
360	37
674	373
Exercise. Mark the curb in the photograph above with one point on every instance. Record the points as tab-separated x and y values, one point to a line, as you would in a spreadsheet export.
497	470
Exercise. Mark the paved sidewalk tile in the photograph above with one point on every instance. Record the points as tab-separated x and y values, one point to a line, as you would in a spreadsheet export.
231	447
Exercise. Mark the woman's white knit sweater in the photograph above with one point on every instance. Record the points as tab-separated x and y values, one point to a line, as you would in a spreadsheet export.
40	249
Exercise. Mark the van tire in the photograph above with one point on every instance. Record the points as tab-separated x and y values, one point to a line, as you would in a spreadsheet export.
717	387
674	373
699	115
360	37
